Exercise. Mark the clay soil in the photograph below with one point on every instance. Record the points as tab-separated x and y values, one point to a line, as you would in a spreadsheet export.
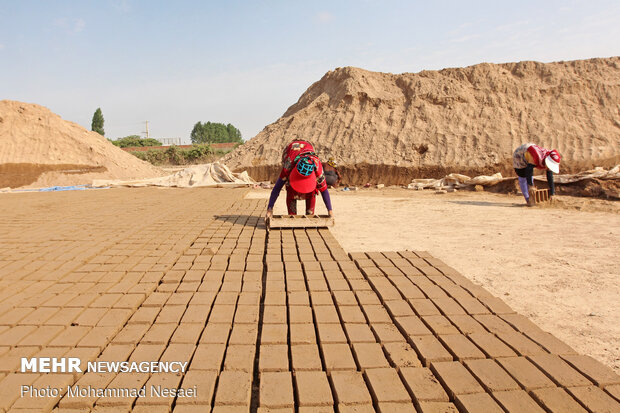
557	264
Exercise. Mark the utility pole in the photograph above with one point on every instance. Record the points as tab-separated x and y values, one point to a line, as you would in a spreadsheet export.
147	129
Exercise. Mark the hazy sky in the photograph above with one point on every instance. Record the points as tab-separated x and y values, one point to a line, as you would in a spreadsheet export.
175	63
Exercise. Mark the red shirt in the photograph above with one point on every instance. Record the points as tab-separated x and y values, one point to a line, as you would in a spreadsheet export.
293	152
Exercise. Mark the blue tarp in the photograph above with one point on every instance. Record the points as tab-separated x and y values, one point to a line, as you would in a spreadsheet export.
64	188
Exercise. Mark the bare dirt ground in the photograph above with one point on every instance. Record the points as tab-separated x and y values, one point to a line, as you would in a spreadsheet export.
558	265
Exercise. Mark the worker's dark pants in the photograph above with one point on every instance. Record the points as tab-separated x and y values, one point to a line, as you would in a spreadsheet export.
291	201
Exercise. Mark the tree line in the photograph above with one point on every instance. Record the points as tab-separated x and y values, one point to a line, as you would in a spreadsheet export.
208	132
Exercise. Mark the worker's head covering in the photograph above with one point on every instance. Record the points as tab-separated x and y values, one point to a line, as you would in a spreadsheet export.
331	162
302	177
552	161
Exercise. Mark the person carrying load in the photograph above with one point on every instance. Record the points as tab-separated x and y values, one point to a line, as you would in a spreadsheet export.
302	173
529	156
332	176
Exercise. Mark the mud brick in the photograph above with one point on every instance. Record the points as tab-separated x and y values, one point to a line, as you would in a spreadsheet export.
338	285
233	389
466	324
524	372
115	317
60	381
594	370
521	323
312	265
399	308
302	334
295	285
344	298
494	323
274	314
337	356
556	399
388	333
326	314
429	289
437	407
196	313
369	356
424	307
305	357
273	357
10	387
352	314
517	401
94	380
204	381
156	299
180	298
559	371
595	399
38	316
460	347
215	333
520	343
313	389
298	298
274	334
448	306
440	324
130	381
147	352
211	286
144	315
83	299
367	298
401	354
243	334
385	386
491	375
162	381
89	317
429	349
70	337
455	378
208	357
407	288
188	333
277	298
385	289
496	305
240	357
300	314
159	333
422	385
413	326
98	337
477	402
350	389
359	285
491	345
130	301
276	389
551	343
331	333
359	333
251	298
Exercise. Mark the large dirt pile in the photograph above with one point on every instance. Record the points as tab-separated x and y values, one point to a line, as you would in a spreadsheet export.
391	128
38	148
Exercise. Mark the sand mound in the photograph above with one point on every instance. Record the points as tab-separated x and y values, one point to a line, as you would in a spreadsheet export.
38	149
392	128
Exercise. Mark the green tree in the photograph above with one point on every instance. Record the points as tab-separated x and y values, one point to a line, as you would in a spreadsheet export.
212	132
97	123
135	140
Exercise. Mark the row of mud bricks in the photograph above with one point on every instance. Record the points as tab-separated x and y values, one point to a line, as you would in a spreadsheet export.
287	321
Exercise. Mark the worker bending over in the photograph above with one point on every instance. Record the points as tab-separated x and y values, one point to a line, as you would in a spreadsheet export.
302	173
529	156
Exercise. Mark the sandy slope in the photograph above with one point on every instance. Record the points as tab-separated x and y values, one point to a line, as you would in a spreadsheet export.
39	148
459	120
558	266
